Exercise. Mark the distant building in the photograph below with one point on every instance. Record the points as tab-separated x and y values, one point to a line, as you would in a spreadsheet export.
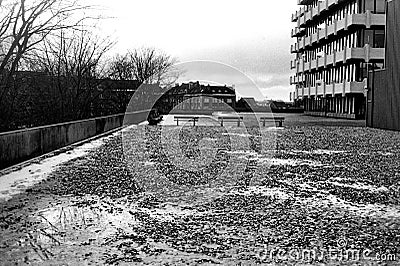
284	107
194	96
383	107
337	43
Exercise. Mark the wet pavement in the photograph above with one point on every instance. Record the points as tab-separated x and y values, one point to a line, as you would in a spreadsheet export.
326	194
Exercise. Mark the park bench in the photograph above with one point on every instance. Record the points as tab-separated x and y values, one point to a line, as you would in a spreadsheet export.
236	118
186	118
277	120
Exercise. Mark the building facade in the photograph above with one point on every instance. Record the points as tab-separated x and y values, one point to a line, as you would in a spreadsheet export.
383	107
194	96
337	42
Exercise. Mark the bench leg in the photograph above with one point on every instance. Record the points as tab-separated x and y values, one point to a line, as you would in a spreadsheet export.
177	122
222	122
194	122
239	122
263	122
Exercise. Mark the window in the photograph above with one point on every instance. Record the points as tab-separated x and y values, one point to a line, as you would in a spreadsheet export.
375	6
379	39
380	6
369	5
368	37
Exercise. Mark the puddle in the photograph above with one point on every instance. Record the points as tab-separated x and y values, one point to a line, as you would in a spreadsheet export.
360	186
168	212
283	162
318	152
385	153
262	191
237	134
370	210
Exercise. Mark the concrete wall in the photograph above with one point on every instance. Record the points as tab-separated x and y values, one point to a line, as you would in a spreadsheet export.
384	93
20	145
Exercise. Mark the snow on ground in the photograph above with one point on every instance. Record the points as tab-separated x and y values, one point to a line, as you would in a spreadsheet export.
19	180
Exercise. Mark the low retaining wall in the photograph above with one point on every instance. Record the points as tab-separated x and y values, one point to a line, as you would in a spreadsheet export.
20	145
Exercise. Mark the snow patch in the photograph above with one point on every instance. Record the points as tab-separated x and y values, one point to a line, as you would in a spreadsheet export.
17	181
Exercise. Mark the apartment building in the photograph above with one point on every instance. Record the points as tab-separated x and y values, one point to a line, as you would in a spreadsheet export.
337	42
194	96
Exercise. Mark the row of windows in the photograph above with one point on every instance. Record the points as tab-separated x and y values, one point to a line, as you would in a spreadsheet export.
375	6
375	38
215	100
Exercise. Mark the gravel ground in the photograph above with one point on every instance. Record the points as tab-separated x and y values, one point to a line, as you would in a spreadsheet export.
323	192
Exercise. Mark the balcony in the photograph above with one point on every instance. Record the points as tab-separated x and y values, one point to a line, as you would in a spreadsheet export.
297	32
316	11
315	37
320	88
355	87
331	3
330	59
293	64
295	16
293	80
366	19
304	2
294	48
329	88
308	41
296	80
347	87
366	54
322	6
323	89
301	44
306	91
312	91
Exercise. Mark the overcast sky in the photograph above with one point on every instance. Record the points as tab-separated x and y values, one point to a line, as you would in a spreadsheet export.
251	35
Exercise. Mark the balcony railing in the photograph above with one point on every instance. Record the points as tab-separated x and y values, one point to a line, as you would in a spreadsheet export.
306	15
293	64
366	54
294	48
297	32
323	89
367	19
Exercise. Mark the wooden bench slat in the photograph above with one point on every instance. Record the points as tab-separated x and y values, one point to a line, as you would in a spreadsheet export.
238	118
186	118
278	120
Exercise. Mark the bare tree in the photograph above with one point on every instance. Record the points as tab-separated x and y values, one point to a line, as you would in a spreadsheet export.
145	65
120	68
24	25
151	65
75	64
